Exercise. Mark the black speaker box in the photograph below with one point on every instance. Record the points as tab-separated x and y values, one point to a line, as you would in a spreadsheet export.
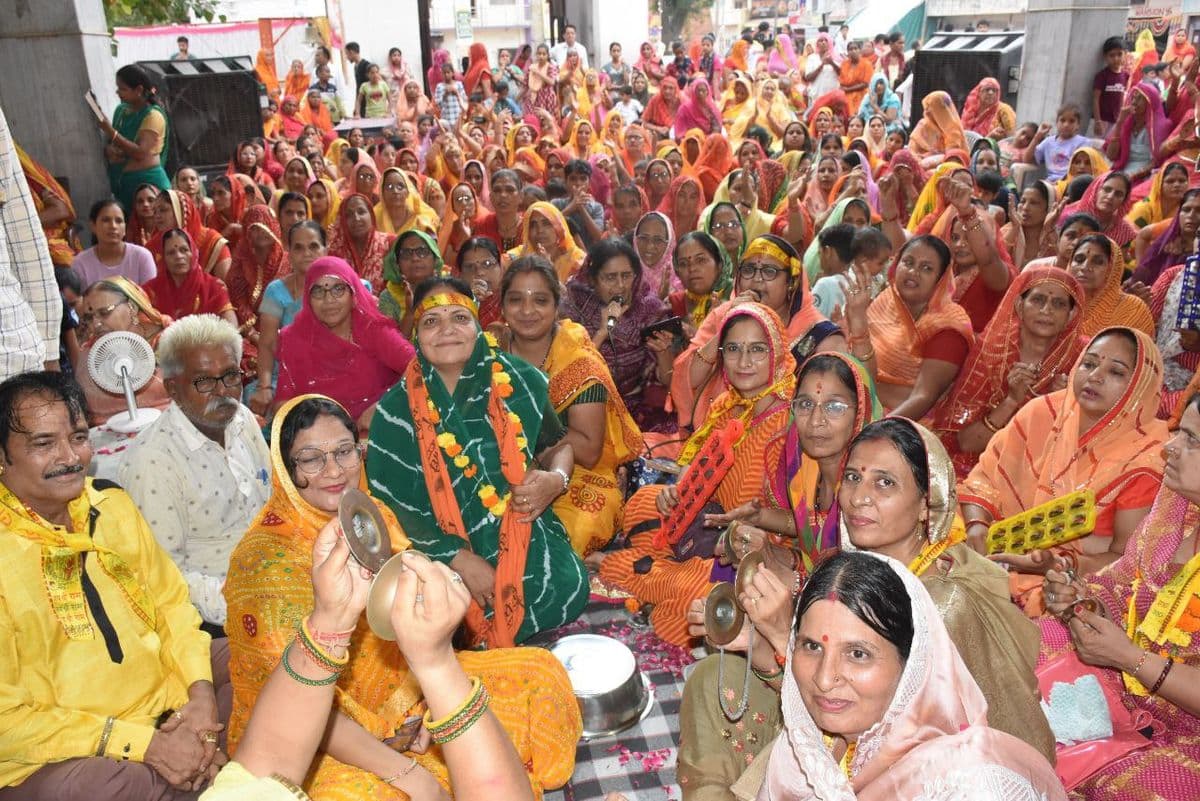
212	104
957	62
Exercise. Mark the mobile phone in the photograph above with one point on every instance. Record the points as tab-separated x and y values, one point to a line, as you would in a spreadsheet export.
89	97
406	734
672	324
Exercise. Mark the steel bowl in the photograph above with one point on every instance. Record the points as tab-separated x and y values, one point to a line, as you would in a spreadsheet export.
611	692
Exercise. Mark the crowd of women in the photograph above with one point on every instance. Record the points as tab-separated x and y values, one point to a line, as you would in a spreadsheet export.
542	314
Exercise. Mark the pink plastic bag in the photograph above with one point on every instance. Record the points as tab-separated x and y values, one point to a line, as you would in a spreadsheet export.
1076	763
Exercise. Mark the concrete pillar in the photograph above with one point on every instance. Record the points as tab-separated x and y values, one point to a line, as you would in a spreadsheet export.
51	53
1063	39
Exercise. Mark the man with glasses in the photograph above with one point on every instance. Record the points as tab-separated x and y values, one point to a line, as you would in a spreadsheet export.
201	472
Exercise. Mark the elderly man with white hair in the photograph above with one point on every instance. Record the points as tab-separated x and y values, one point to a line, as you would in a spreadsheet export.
202	471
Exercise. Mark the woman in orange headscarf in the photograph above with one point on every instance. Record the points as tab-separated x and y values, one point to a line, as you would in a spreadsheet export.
174	209
545	225
986	114
298	81
1099	433
264	70
53	205
939	131
479	72
1026	351
1099	266
714	163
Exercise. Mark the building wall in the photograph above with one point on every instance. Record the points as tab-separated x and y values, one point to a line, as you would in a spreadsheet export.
495	24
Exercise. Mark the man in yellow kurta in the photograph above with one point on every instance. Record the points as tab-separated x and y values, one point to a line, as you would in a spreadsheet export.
98	641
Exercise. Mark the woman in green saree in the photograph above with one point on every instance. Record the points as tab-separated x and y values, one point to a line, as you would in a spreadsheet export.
411	259
137	136
466	451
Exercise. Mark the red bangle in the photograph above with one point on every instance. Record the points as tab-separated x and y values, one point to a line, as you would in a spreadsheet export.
780	659
1162	676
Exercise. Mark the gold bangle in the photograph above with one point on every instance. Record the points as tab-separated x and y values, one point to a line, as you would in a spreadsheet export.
988	424
865	357
701	357
402	773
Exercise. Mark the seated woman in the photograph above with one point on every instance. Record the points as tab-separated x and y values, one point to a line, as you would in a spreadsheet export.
183	287
1098	434
770	274
141	215
599	428
502	224
928	730
282	301
258	259
1180	349
466	423
611	300
1154	654
654	242
758	368
340	344
544	233
377	692
462	219
986	114
400	207
1084	161
112	256
939	131
741	187
229	204
324	201
1164	244
723	222
683	204
52	202
707	275
1099	265
356	239
894	470
1166	195
118	304
174	209
916	335
1030	234
1026	351
1134	143
411	259
479	267
1108	200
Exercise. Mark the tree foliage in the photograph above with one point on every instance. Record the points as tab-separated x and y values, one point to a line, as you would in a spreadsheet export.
675	14
132	13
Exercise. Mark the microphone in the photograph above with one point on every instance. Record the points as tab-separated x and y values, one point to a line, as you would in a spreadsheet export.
612	321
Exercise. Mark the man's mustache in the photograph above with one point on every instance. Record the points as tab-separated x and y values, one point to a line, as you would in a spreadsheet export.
219	403
65	471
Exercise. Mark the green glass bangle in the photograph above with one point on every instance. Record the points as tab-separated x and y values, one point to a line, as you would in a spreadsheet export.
307	682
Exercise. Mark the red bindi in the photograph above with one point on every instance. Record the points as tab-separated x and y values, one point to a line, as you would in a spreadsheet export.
832	596
824	638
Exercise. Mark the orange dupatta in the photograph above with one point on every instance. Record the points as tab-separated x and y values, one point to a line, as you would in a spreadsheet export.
898	338
1112	306
509	603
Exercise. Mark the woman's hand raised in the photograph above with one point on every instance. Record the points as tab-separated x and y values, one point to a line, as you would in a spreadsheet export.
431	601
340	584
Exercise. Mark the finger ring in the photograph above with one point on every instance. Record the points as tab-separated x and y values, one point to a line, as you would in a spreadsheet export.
209	737
455	578
755	602
420	598
177	715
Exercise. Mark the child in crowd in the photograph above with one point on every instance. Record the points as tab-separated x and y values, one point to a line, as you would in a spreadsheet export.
1108	87
1055	151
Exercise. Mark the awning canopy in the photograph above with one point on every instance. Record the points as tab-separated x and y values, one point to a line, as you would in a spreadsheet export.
905	16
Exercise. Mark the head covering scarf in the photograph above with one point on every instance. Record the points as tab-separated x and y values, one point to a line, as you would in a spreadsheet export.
1158	127
477	66
318	116
219	220
349	184
187	216
354	372
890	100
264	69
977	117
703	304
940	129
899	339
367	262
247	278
655	276
1148	211
658	111
794	484
1119	229
420	215
1043	453
933	738
667	205
1145	53
982	382
198	293
931	203
1098	161
407	111
706	224
393	301
696	113
864	164
732	404
335	201
1158	258
433	76
812	255
445	235
732	110
570	259
1112	306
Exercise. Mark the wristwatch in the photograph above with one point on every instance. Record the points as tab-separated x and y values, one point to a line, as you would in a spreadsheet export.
563	474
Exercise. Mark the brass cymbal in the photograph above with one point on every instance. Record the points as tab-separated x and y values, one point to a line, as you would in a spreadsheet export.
366	532
722	616
380	598
750	564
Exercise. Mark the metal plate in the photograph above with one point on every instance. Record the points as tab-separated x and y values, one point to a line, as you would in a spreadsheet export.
366	532
381	597
723	617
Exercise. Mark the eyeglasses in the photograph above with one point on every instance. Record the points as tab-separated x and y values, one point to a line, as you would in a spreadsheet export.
336	291
758	351
725	226
765	272
85	320
647	239
486	264
207	383
833	409
414	253
313	460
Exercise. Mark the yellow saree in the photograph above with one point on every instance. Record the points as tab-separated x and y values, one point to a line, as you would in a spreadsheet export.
268	592
591	507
